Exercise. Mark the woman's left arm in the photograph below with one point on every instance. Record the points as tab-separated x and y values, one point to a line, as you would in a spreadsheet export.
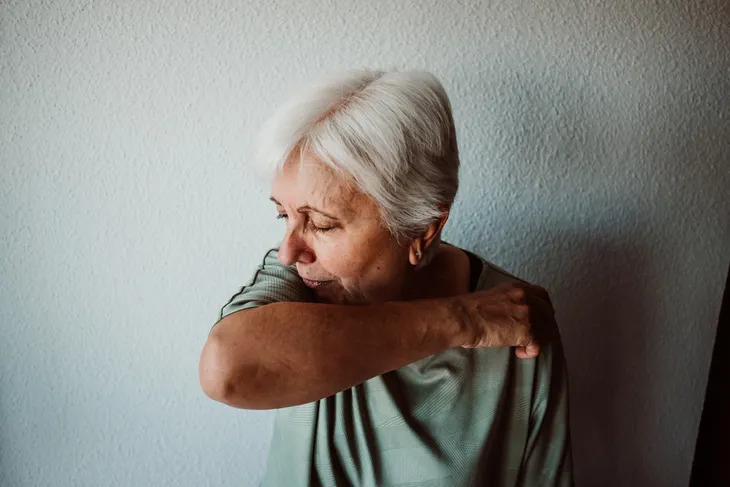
548	457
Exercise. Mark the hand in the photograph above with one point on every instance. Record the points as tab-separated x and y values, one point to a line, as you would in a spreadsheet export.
508	315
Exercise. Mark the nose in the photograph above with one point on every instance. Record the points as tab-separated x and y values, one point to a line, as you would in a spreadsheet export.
294	249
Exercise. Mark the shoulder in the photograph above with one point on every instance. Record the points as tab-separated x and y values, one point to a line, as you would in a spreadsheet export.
271	282
492	274
551	359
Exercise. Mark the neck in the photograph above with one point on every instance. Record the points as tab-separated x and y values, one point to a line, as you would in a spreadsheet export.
446	275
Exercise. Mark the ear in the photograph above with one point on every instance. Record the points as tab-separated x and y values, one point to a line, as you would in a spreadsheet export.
420	244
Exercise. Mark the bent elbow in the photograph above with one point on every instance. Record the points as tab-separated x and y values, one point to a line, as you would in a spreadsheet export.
214	370
225	379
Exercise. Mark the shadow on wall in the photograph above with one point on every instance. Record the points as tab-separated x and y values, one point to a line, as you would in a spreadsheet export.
604	309
576	219
601	288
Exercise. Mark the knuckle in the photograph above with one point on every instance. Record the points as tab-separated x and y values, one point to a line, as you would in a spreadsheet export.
518	293
522	311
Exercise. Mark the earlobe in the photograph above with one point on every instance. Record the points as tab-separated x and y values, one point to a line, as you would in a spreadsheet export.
422	243
415	253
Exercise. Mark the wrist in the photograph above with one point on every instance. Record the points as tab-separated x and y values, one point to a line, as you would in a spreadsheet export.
437	323
455	324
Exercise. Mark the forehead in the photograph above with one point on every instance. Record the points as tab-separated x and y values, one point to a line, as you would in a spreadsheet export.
311	182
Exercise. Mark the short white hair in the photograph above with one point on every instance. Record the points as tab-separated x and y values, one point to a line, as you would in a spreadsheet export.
391	133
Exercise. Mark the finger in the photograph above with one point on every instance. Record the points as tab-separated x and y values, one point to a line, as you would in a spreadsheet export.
532	350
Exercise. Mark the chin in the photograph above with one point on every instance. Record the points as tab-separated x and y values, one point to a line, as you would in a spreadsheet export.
338	296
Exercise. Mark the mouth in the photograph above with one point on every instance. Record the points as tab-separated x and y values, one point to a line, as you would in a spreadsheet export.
314	284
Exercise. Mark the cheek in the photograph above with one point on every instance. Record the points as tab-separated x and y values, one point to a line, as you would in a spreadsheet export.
342	260
358	258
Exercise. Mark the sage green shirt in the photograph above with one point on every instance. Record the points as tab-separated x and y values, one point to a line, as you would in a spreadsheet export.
461	417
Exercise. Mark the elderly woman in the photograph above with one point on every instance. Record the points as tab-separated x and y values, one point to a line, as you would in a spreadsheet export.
393	358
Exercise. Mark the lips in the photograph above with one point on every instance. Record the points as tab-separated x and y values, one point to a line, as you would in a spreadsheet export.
314	284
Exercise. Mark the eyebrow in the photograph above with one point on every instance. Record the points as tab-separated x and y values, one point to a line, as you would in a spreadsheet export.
307	208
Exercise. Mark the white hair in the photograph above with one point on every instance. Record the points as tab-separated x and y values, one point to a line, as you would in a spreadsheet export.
391	133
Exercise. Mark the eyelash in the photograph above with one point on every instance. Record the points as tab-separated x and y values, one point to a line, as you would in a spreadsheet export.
311	225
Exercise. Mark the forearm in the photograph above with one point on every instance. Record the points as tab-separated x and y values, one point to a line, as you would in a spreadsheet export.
284	354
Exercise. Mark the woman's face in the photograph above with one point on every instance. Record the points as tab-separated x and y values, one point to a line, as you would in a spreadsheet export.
335	237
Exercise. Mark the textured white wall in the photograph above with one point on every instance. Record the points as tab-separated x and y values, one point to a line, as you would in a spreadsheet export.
595	145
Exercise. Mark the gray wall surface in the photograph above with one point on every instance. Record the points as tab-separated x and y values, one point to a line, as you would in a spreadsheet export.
595	140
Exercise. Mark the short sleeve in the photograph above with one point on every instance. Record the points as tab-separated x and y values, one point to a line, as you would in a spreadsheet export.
272	282
547	459
548	455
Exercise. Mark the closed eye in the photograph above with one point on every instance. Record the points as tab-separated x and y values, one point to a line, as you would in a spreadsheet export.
312	226
316	229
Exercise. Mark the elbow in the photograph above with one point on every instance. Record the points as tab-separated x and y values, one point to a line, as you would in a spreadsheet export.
221	377
214	371
227	379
